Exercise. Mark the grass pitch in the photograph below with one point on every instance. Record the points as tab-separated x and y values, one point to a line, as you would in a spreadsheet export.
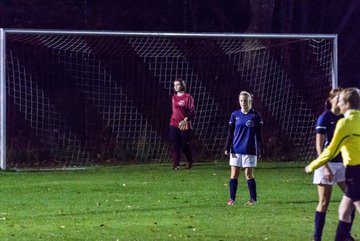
152	202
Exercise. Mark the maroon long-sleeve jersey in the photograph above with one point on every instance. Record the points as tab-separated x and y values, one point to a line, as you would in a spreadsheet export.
182	106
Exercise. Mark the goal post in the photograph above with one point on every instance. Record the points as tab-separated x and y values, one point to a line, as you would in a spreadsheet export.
3	100
78	98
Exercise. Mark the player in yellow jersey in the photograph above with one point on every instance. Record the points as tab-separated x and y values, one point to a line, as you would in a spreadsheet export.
347	140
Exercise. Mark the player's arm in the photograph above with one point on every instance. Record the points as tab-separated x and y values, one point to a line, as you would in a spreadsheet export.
191	109
320	139
259	138
230	137
320	130
333	149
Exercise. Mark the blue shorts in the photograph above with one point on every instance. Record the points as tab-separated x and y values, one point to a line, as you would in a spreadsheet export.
352	178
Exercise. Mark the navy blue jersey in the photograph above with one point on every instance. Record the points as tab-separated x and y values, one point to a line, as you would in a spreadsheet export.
245	133
325	125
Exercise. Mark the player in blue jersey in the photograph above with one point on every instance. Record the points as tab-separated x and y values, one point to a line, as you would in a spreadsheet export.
244	145
346	139
334	171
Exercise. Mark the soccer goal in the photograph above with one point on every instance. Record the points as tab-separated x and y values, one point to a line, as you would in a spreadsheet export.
79	98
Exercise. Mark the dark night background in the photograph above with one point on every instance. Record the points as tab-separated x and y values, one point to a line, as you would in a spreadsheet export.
220	16
238	16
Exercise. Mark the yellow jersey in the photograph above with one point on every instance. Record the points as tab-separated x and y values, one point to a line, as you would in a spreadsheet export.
346	139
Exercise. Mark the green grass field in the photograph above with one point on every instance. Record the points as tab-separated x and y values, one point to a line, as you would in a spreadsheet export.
152	202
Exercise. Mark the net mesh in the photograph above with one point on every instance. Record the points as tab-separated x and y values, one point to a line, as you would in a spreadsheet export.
77	100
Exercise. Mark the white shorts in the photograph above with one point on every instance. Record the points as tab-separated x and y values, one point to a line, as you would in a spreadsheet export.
338	170
240	160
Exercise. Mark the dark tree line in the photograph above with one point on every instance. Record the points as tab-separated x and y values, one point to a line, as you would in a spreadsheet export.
252	16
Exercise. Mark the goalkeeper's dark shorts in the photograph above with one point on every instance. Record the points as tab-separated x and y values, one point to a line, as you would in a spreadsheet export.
352	177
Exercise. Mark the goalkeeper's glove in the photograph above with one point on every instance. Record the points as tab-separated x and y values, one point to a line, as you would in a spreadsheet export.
184	125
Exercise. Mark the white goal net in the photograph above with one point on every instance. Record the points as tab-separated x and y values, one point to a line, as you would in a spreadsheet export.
74	99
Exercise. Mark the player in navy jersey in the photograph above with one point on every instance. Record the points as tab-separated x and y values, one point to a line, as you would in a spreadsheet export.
346	139
334	171
244	145
183	108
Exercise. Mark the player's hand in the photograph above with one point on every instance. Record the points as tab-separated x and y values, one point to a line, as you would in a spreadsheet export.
184	125
328	174
307	169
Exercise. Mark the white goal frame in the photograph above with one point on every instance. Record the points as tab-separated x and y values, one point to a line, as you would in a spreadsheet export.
4	31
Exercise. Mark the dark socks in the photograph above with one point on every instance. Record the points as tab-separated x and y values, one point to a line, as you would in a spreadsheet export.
175	156
252	188
233	188
342	231
352	218
319	225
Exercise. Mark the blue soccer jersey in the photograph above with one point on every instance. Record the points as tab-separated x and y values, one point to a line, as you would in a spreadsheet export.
325	125
245	135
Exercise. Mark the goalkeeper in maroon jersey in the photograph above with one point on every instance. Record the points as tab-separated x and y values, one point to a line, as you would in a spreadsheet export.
181	124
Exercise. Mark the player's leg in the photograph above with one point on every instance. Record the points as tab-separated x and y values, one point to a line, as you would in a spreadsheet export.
353	185
324	187
349	202
346	208
251	183
357	206
185	144
342	186
249	162
235	164
324	193
175	146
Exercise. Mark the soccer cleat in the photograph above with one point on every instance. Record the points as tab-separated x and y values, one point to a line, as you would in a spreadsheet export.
231	202
251	202
176	168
